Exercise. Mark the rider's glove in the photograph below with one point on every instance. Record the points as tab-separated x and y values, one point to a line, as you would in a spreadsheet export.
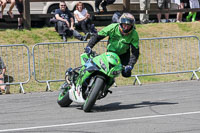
88	50
128	68
127	71
69	71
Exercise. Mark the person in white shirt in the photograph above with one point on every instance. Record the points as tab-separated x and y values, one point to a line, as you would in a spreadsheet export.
82	19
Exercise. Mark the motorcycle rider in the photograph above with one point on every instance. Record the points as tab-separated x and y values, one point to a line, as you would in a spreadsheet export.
123	40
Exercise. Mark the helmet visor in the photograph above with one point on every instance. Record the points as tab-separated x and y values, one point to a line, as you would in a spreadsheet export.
127	21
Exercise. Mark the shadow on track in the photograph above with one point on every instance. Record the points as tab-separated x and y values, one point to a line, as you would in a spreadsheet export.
117	106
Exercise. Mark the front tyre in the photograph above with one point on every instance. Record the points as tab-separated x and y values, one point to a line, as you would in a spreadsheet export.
93	95
63	98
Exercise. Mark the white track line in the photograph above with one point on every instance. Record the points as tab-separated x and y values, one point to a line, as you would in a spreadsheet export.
99	121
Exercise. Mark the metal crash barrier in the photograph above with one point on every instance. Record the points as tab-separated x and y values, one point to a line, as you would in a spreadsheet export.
168	55
158	56
51	60
17	61
165	55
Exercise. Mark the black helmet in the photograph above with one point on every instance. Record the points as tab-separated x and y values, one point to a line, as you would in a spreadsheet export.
129	19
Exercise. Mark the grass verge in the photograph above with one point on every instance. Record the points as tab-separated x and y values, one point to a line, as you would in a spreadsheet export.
48	34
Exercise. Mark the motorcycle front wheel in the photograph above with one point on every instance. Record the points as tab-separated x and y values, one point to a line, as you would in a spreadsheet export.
93	95
63	98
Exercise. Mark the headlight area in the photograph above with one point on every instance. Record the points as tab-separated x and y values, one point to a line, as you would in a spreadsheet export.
91	66
116	72
103	66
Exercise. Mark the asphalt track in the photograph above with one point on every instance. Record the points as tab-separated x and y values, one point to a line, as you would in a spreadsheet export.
156	108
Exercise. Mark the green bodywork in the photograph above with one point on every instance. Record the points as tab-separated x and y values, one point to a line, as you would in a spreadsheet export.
108	64
64	91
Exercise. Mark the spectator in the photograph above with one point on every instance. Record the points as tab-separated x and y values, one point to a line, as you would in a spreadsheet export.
103	4
82	19
20	8
3	5
163	4
193	4
2	73
180	4
144	5
65	23
116	16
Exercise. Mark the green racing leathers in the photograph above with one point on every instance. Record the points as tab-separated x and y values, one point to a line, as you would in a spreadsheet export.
119	44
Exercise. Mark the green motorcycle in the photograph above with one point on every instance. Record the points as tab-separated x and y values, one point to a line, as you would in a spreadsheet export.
91	81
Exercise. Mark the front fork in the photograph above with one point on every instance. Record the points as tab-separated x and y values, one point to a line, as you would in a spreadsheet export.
106	89
89	87
103	93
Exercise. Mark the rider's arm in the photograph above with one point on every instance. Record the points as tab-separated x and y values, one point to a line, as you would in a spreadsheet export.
101	34
95	39
134	50
134	55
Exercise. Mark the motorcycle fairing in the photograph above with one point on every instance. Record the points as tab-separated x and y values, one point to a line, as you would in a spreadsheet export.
76	94
107	64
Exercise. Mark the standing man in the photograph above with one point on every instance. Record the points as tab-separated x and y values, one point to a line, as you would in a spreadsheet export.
65	23
20	8
163	4
144	17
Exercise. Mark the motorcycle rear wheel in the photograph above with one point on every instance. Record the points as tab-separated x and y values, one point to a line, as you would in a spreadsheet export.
63	98
93	95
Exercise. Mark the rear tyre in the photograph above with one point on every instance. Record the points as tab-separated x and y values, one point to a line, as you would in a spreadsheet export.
93	95
63	98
